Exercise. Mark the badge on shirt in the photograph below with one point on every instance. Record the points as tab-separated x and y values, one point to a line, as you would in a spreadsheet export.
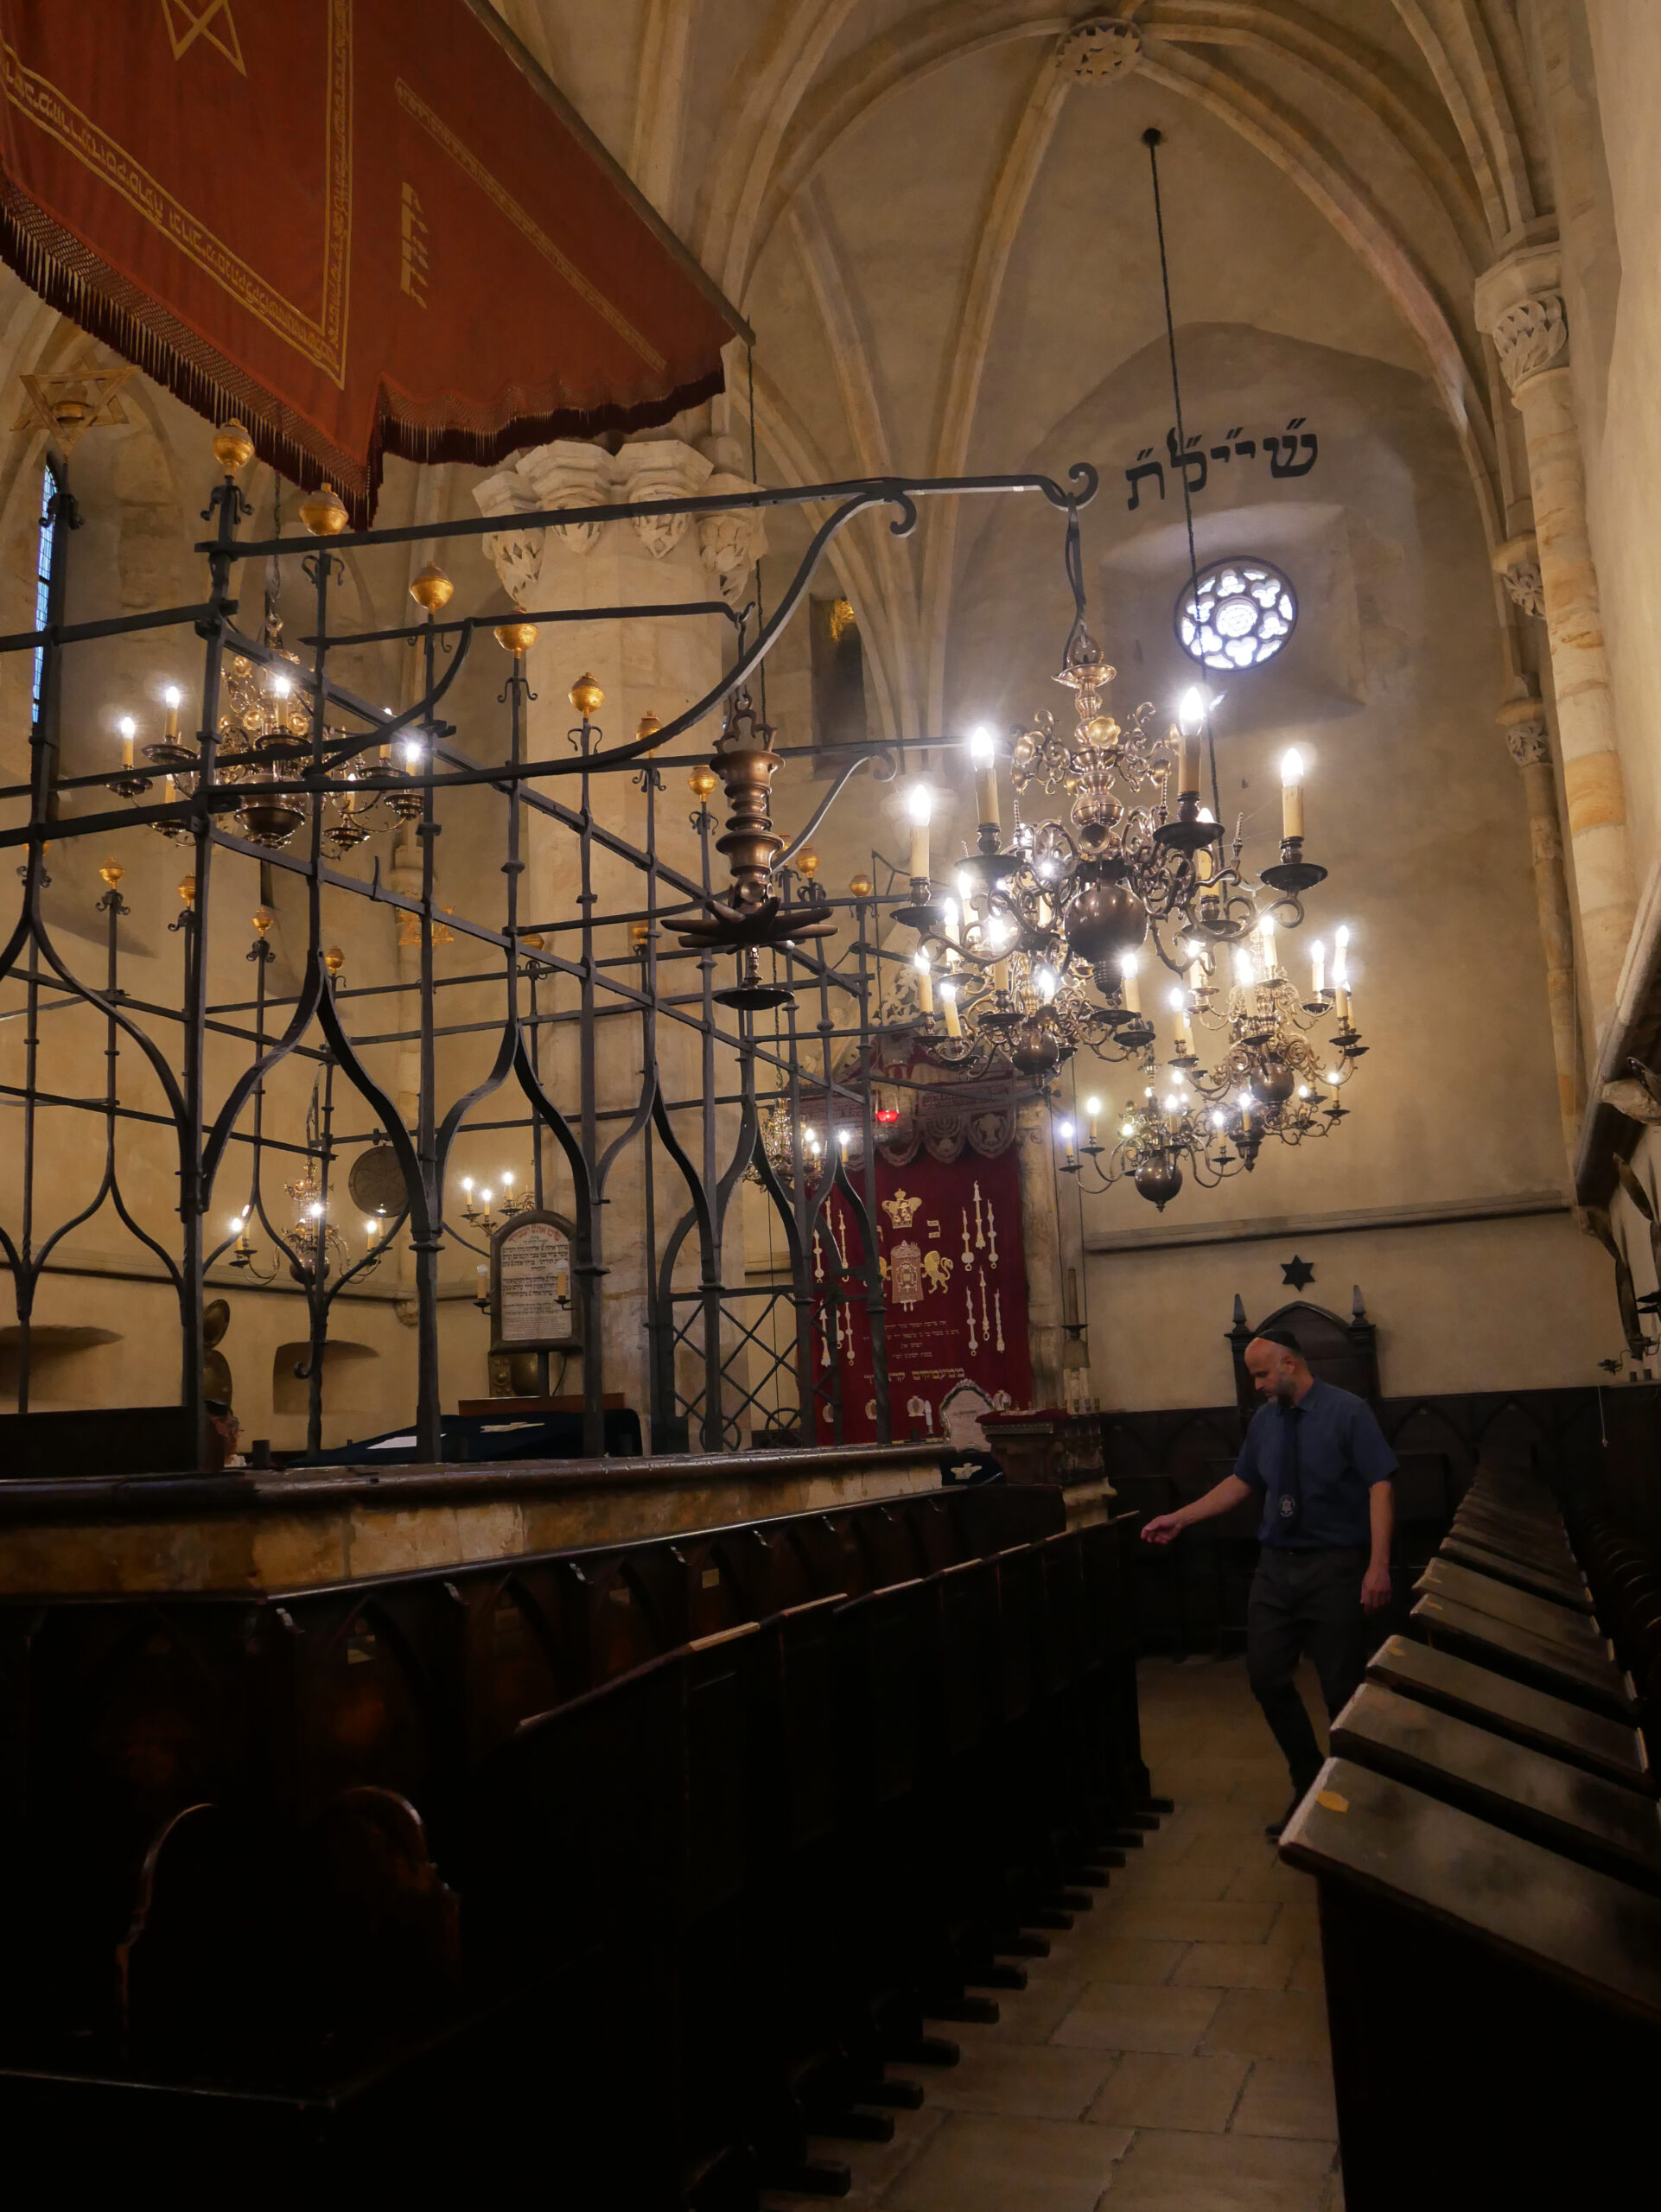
1289	1506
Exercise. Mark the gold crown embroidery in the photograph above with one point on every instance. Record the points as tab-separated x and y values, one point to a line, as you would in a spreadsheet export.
900	1209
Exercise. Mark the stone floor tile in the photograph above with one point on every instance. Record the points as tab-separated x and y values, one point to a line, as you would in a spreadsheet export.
1288	2096
1268	2023
1176	1920
1208	1849
1121	2016
1125	1958
876	2166
977	2163
1030	2080
1153	2089
1299	1917
1168	2170
1194	1881
1306	1972
1271	1882
1235	1966
1029	2015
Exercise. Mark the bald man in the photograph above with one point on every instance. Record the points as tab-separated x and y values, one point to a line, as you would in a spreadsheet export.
1320	1462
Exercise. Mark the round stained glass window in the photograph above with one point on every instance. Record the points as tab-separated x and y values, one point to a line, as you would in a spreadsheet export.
1237	615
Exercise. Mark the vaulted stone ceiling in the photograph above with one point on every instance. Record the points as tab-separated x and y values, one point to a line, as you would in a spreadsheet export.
943	234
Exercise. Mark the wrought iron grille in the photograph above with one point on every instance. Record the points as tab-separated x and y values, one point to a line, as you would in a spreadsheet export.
218	1133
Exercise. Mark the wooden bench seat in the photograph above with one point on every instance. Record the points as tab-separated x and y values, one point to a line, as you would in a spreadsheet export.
1596	1822
1533	1717
1495	2008
1587	1679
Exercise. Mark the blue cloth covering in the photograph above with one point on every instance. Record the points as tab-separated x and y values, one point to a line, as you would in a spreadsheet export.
1315	1462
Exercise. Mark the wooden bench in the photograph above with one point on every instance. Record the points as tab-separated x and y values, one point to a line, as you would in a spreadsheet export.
1495	2008
1589	1678
1485	1594
1598	1823
1530	1717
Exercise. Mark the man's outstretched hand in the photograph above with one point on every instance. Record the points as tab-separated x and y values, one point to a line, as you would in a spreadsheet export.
1375	1588
1163	1528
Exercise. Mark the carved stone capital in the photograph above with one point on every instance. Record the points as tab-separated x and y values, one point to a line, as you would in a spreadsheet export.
1517	564
516	554
1529	336
660	468
567	473
1529	745
729	545
1523	722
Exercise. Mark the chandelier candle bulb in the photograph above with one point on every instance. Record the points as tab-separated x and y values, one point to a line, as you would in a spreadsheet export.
1205	862
1129	965
129	729
1190	721
1318	966
1182	1038
920	807
949	1007
949	920
174	699
982	753
1092	1115
925	984
1341	975
1064	1131
1292	795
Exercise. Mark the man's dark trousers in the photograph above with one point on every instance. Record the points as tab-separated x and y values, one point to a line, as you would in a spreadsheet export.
1305	1601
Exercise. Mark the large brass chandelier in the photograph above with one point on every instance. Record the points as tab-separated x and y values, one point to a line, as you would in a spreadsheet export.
1054	942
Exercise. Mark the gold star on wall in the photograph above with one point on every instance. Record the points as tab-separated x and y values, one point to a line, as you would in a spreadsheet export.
81	398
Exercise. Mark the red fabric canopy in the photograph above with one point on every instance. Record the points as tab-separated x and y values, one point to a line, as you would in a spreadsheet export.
356	224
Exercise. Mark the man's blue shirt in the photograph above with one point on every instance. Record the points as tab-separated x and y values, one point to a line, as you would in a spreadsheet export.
1315	1485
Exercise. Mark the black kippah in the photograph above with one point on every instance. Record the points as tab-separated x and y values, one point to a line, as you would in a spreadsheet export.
1283	1337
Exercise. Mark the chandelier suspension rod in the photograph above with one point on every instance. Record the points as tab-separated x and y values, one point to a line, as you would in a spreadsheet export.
1152	138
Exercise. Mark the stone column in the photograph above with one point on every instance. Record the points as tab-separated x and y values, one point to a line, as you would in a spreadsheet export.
1519	305
1525	725
657	666
1041	1242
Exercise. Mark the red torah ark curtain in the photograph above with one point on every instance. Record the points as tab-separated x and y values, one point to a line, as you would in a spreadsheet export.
355	224
954	1285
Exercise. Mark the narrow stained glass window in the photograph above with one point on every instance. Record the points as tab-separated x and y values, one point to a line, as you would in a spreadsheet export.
43	579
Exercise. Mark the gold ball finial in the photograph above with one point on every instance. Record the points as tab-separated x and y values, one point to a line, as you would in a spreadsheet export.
263	919
860	887
323	514
638	933
648	726
515	637
587	697
807	862
188	889
333	960
531	941
232	446
701	782
112	873
432	589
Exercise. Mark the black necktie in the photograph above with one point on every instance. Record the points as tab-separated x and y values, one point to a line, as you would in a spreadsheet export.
1291	1481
